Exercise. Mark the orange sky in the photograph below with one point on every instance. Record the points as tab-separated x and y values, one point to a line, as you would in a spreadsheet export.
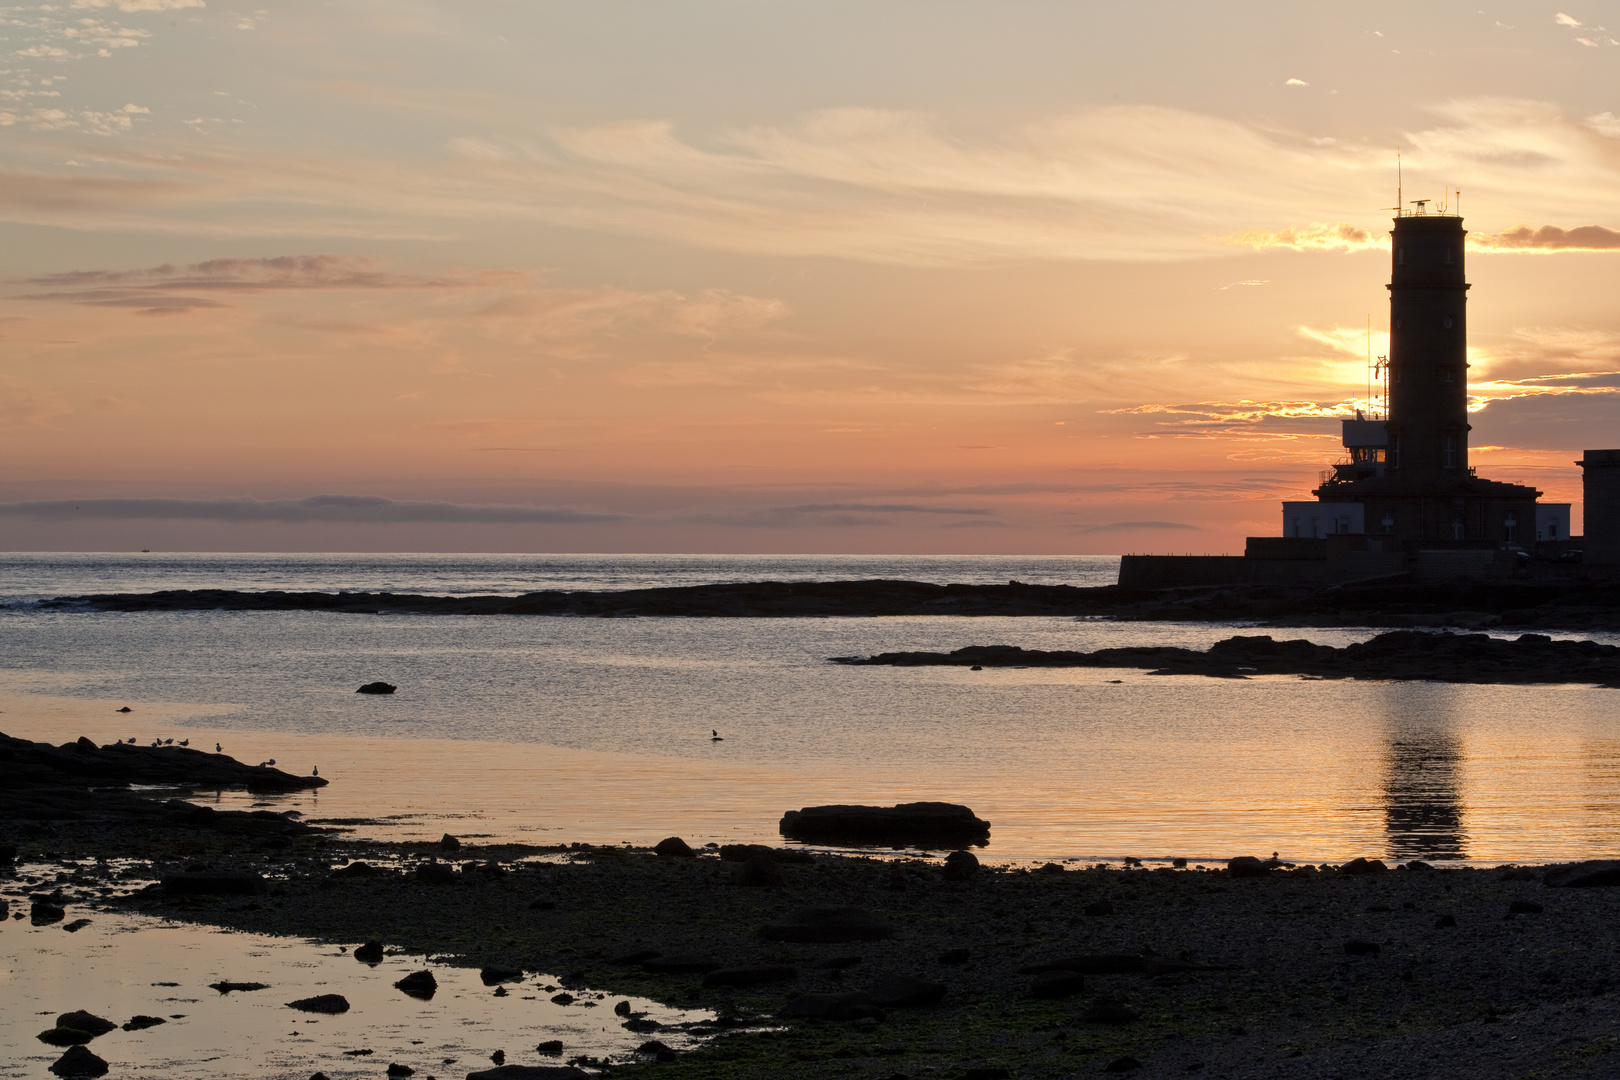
931	277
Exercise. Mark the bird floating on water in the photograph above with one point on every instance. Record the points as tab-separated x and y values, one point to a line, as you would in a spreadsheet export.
715	736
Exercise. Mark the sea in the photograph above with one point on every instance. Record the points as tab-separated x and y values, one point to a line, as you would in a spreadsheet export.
628	730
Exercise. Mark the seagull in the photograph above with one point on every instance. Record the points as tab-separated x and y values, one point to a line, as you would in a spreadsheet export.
315	770
185	742
715	736
218	749
168	742
272	761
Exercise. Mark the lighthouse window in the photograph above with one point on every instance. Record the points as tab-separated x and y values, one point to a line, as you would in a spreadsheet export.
1400	256
1451	375
1448	256
1448	322
1397	324
1448	453
1510	528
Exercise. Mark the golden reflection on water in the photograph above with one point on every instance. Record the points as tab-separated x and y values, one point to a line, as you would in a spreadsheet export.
1432	771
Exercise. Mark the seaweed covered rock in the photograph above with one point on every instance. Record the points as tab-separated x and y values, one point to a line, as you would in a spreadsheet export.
925	824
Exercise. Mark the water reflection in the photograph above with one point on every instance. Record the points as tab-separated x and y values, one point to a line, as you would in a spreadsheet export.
1422	779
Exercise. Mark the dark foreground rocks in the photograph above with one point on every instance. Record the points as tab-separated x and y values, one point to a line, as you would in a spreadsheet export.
1048	973
920	824
1400	654
86	783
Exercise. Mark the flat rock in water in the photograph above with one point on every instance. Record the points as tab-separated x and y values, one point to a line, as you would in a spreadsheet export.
827	924
321	1003
932	824
419	984
906	992
225	987
43	913
141	1023
1583	875
529	1072
499	973
369	953
378	687
77	1062
85	1021
750	975
64	1036
851	1006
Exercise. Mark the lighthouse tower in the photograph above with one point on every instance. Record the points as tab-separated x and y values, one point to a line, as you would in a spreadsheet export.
1428	350
1407	476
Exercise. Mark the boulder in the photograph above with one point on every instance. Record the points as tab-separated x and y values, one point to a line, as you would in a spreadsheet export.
851	1006
1583	875
396	1069
43	913
673	847
750	975
1247	866
906	992
491	974
529	1072
214	883
827	924
378	687
449	843
436	873
64	1036
84	1021
141	1023
1363	866
76	925
78	1062
658	1050
926	824
758	872
356	869
330	1004
1057	984
369	953
961	865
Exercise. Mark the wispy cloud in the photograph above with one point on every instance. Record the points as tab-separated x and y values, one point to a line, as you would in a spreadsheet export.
1549	238
330	509
1132	183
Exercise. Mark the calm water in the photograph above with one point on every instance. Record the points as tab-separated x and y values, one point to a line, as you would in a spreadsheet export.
551	729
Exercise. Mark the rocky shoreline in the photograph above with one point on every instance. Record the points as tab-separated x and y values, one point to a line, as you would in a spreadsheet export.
1539	605
1401	655
909	965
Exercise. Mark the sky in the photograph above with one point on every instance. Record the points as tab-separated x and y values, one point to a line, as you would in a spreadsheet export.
750	276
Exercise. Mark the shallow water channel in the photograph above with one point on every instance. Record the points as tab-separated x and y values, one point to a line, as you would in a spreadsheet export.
122	965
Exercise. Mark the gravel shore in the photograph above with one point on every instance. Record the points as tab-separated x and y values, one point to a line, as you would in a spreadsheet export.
1299	972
